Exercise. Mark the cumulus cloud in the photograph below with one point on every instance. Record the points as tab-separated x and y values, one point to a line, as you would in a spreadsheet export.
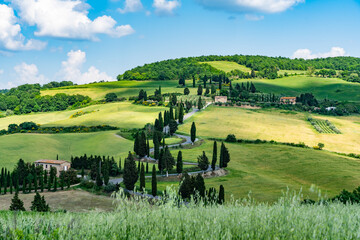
67	19
308	54
10	33
131	6
166	7
243	6
28	73
71	70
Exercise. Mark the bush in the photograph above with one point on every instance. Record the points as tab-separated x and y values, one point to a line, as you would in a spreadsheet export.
230	138
110	188
87	184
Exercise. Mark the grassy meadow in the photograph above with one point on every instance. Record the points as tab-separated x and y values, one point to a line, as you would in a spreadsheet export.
330	88
127	89
271	124
123	115
228	66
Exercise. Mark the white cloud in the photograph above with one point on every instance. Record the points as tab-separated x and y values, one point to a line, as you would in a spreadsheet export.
67	19
252	17
131	6
28	73
308	54
71	70
10	33
243	6
166	7
1	72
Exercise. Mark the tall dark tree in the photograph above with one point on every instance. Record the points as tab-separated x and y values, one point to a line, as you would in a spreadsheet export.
147	148
142	147
193	132
11	185
214	156
153	182
194	81
186	91
147	167
161	163
186	188
205	79
39	204
156	145
130	172
99	181
168	160
55	184
35	182
142	178
42	185
200	90
137	143
16	203
173	127
161	122
181	113
200	103
221	199
179	163
224	156
203	162
200	185
171	113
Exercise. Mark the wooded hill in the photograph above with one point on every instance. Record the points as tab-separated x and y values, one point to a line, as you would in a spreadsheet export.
187	67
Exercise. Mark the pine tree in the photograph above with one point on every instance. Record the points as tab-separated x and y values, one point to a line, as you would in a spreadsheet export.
142	178
179	163
39	204
193	132
214	157
16	203
130	172
153	182
221	199
203	162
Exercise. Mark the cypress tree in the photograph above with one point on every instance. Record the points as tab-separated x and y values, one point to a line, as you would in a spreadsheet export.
153	182
62	181
203	162
5	183
200	185
82	172
156	145
49	185
161	164
181	113
137	143
42	183
55	184
221	199
139	166
142	178
168	160
214	157
220	84
142	151
224	156
171	113
35	182
147	167
200	104
193	133
193	81
16	203
120	164
24	185
130	172
45	176
17	182
161	122
147	148
11	185
99	181
179	163
200	90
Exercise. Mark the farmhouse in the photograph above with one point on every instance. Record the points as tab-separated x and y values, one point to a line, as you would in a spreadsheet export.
221	99
288	100
59	165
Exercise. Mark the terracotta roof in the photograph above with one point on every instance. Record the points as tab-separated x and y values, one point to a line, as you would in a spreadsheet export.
56	162
288	98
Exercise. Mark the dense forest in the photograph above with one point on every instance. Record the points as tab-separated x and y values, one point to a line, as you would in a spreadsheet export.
26	98
266	66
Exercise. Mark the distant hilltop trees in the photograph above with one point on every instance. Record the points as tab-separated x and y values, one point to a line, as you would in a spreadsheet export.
186	68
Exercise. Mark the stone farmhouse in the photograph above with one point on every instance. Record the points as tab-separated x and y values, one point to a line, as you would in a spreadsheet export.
221	99
58	164
288	100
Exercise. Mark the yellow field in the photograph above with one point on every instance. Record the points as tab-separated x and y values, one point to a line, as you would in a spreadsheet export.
275	125
228	66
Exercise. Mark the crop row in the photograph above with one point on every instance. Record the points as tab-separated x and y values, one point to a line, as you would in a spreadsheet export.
324	126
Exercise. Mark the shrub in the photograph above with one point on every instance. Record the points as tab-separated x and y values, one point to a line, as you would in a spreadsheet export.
110	188
230	138
87	184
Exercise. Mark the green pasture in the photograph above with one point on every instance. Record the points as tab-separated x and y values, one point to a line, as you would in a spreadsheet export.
228	66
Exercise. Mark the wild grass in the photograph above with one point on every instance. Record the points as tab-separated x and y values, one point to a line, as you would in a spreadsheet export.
287	219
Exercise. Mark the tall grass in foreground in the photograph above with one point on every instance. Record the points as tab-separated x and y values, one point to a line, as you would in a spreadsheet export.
287	219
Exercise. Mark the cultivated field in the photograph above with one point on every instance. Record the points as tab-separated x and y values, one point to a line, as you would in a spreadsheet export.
228	66
282	126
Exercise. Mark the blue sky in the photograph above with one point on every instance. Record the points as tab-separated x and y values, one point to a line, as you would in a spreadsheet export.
85	41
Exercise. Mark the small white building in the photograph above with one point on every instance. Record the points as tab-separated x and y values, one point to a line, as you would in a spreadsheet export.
330	109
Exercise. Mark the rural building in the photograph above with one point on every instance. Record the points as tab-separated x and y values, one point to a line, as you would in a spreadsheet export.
221	99
331	108
288	100
58	164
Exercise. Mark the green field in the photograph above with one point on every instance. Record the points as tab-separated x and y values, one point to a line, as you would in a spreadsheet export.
124	115
121	88
330	88
291	72
228	66
275	125
32	147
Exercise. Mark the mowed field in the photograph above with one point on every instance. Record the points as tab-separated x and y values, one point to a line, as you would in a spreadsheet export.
32	147
123	115
228	66
267	171
330	88
282	126
126	89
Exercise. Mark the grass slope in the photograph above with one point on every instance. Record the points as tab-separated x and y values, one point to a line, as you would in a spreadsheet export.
267	170
330	88
121	88
228	66
124	115
32	147
275	125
